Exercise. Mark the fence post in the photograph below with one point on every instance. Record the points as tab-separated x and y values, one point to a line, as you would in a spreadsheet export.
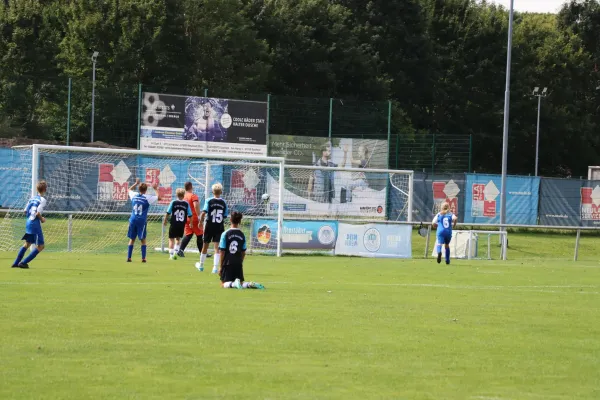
470	150
70	233
268	120
389	131
577	245
433	155
427	241
206	92
139	132
397	146
69	113
330	116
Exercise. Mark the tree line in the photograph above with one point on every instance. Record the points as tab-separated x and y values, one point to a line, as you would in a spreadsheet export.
441	62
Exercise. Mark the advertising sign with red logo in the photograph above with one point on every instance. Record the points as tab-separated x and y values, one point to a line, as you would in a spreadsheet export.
445	192
484	199
590	204
112	182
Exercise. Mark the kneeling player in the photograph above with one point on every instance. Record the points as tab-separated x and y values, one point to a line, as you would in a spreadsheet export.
178	213
232	249
444	222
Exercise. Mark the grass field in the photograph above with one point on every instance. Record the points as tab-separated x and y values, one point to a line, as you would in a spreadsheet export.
79	326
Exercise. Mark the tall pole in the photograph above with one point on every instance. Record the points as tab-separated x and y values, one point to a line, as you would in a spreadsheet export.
69	112
93	95
537	137
506	117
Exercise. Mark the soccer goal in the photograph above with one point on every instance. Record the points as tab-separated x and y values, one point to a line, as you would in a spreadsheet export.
475	245
88	205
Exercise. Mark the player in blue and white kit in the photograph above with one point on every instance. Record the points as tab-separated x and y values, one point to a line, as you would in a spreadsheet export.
444	222
139	216
33	227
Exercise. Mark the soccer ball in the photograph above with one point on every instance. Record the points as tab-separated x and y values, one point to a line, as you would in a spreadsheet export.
199	267
266	197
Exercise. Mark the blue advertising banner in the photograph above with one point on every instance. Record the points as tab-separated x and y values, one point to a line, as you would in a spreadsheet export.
16	179
569	202
482	204
305	235
374	240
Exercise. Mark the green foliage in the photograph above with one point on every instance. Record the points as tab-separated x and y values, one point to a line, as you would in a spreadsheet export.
441	62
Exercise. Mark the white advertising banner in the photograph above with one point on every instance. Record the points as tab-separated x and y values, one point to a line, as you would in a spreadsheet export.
374	240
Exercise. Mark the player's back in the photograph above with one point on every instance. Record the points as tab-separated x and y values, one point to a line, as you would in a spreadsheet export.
190	198
445	223
233	242
140	206
35	205
179	212
216	210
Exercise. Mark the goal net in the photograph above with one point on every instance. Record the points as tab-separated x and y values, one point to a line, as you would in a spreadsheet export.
87	201
473	244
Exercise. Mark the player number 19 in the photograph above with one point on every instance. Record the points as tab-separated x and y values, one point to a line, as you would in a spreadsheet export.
179	216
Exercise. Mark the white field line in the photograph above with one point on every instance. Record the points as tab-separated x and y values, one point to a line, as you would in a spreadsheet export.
527	288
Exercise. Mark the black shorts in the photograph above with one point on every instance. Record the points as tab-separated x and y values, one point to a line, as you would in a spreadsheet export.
213	234
230	273
176	231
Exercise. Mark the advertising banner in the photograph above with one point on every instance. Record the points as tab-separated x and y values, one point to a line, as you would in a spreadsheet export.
569	202
344	152
374	240
431	191
482	204
13	172
303	235
203	125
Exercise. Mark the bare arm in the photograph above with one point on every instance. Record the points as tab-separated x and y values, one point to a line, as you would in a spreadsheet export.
165	219
243	255
310	185
454	221
135	185
222	256
197	208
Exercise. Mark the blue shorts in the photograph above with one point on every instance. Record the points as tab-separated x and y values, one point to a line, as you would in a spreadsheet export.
34	238
137	230
444	238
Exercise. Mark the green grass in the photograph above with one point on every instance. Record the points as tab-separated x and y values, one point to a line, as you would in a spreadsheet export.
79	326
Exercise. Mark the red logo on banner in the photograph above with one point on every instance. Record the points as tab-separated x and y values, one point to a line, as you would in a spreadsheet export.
590	204
445	192
243	185
483	202
109	187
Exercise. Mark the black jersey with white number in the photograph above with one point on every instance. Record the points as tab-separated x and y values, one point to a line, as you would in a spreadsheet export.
216	212
180	211
233	242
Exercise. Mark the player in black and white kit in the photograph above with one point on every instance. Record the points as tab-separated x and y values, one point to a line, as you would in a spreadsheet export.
213	217
178	214
232	250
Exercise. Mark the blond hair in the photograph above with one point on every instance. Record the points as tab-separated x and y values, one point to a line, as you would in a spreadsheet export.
180	193
217	189
445	208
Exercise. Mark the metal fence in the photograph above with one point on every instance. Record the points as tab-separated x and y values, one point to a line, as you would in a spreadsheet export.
61	110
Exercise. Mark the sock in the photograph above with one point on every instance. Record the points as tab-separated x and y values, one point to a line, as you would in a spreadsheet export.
176	249
129	251
447	255
185	241
217	259
31	256
202	259
171	252
199	243
247	285
20	255
438	248
227	285
143	252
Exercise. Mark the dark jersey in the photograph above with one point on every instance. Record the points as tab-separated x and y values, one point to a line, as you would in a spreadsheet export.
233	242
180	211
216	212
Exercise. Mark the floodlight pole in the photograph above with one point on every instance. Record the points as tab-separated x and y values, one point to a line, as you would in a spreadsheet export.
94	57
539	95
506	118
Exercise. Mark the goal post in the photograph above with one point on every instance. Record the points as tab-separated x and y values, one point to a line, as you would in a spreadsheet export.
88	191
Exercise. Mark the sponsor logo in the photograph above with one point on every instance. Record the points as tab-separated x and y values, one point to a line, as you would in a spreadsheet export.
244	184
264	234
326	235
113	182
590	204
351	240
372	210
445	192
372	240
484	199
155	110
